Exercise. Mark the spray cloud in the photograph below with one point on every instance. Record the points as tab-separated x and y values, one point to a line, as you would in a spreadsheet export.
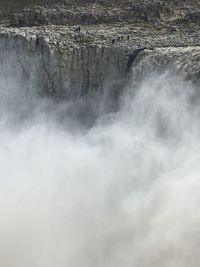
123	192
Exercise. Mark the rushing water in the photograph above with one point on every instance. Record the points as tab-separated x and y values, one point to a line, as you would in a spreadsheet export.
123	192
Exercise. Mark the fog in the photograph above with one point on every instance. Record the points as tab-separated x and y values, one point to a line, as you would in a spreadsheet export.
81	187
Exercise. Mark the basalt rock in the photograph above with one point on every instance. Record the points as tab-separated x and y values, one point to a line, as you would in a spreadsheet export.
181	61
96	12
63	68
108	43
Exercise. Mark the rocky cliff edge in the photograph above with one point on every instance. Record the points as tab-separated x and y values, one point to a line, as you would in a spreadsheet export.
69	48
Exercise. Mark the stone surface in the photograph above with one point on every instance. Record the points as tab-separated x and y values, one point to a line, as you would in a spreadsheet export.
95	12
94	56
182	61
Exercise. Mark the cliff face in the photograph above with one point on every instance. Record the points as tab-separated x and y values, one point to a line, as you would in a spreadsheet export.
45	68
182	61
101	11
95	60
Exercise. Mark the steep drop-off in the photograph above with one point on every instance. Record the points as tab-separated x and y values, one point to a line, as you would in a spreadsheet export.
94	58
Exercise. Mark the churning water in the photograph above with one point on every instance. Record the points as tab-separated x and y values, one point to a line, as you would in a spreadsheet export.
123	192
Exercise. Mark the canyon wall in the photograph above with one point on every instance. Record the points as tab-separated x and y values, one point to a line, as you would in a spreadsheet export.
81	70
51	57
62	69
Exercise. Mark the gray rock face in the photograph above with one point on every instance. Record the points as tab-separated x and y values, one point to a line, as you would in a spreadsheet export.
96	12
184	61
63	63
43	66
94	57
92	13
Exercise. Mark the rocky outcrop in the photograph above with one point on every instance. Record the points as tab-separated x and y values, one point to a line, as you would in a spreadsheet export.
182	61
96	12
62	69
62	62
95	56
93	13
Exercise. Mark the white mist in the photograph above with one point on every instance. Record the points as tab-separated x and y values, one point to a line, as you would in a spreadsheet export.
124	192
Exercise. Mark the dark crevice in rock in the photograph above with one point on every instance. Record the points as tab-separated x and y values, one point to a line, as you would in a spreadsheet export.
132	58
